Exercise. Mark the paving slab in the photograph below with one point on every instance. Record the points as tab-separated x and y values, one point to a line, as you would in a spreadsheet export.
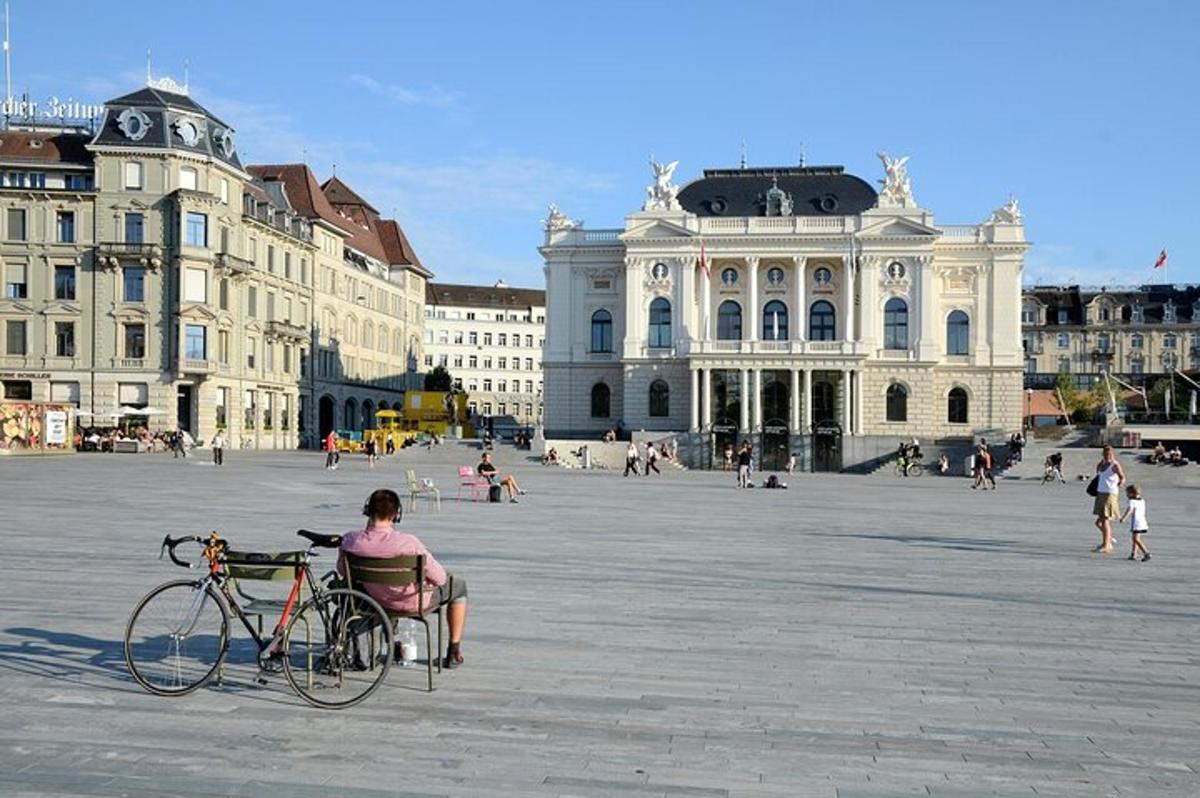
650	636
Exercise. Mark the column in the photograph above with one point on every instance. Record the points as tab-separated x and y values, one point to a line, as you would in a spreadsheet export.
683	325
794	403
706	400
848	299
750	315
868	275
695	417
806	420
758	419
744	405
706	301
800	312
927	343
858	401
845	402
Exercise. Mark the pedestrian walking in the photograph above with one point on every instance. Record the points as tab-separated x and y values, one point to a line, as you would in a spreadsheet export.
791	464
391	444
743	460
369	447
727	462
631	459
218	448
1110	476
651	459
1138	526
331	451
178	447
989	465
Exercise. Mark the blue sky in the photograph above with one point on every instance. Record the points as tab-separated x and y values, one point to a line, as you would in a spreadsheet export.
465	119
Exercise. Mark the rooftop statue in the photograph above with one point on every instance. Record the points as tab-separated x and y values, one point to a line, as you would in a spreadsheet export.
1008	213
556	220
661	195
897	187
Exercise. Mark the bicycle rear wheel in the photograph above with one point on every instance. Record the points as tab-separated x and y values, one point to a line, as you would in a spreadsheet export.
337	648
916	470
177	637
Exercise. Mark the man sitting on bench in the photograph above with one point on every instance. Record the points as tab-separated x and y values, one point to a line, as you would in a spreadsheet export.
488	470
382	539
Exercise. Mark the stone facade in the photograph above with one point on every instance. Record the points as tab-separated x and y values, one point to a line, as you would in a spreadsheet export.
147	269
799	288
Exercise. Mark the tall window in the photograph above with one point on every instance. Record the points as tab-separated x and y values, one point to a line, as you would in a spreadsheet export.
775	321
135	283
195	342
135	228
897	402
1136	341
660	323
66	227
601	332
223	346
135	341
729	321
956	406
660	399
64	282
16	224
958	333
895	324
197	229
600	400
64	338
16	285
133	175
14	337
821	321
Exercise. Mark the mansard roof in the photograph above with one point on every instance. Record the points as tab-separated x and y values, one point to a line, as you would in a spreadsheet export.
814	191
42	147
1151	298
161	110
482	296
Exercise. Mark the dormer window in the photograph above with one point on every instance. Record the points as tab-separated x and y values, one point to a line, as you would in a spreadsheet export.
1169	311
1137	315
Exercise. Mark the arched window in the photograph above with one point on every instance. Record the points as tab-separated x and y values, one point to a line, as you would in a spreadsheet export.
897	402
368	335
350	415
821	322
956	406
368	415
729	321
602	331
660	323
958	333
660	399
775	321
895	324
600	400
383	339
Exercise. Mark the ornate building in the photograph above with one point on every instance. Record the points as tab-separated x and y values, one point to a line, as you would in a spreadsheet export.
490	338
146	268
1134	333
795	306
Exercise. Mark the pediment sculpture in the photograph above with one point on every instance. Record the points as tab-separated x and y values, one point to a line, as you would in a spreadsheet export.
556	220
897	186
1008	213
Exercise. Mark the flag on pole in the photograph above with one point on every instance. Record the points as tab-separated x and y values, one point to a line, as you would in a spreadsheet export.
1162	260
703	260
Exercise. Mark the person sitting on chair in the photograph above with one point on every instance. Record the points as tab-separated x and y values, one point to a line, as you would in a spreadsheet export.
943	464
486	469
1160	453
381	538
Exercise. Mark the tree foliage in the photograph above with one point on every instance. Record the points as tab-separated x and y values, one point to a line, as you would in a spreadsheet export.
438	380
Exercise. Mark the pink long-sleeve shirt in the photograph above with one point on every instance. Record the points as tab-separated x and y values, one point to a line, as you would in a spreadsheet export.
387	541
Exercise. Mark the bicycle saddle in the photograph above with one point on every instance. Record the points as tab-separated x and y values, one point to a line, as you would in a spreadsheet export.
324	541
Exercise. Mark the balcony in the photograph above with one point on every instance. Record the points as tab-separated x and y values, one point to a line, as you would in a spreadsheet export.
232	265
839	348
197	368
286	331
112	254
129	363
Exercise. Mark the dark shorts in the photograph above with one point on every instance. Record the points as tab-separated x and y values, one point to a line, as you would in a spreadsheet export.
459	593
1136	532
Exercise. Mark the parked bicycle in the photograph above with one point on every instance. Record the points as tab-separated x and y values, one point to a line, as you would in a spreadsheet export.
177	637
909	468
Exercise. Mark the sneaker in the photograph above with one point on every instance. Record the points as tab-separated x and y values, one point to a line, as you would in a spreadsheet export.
1131	557
513	500
521	492
1146	558
452	662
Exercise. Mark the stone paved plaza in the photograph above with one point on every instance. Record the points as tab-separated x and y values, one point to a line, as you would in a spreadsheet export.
670	636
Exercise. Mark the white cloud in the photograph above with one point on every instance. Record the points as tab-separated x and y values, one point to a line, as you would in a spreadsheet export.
434	96
1060	264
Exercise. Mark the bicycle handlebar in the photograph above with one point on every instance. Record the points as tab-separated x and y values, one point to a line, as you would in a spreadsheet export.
168	547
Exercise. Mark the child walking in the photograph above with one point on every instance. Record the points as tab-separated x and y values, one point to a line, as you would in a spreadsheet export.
1136	513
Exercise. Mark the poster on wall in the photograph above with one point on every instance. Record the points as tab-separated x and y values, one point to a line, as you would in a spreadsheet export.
56	427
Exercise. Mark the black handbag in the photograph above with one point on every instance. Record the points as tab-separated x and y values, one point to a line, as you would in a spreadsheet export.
1093	487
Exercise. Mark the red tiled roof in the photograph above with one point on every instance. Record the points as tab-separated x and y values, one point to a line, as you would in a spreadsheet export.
1043	403
23	145
341	194
302	190
395	243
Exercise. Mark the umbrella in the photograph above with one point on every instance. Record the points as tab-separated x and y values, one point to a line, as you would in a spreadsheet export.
153	411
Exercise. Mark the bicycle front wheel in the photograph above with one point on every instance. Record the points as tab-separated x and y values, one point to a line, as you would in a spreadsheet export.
916	470
177	637
337	648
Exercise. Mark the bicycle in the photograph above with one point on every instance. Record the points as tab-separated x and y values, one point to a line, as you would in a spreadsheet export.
177	637
909	468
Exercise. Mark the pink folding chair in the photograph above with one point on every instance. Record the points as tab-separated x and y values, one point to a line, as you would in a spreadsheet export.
467	479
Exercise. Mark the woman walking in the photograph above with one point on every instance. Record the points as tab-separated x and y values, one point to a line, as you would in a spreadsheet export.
1109	479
